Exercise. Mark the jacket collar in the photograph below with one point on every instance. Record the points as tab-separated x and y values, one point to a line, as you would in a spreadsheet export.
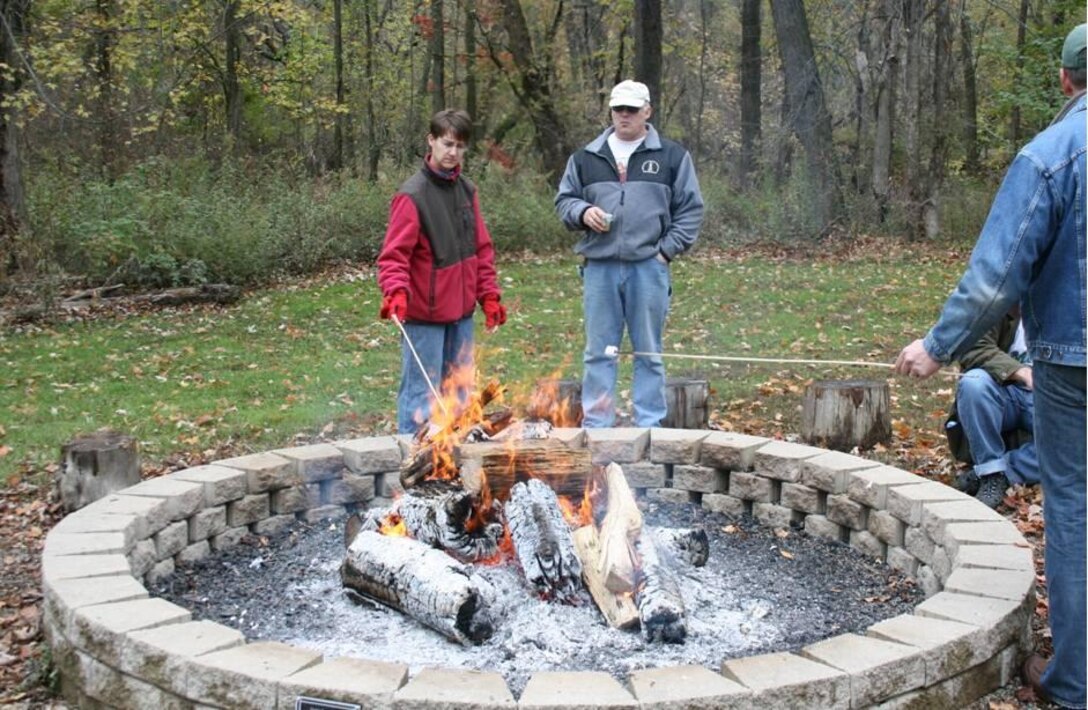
652	141
439	176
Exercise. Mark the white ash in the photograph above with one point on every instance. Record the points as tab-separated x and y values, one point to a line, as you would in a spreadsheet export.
750	598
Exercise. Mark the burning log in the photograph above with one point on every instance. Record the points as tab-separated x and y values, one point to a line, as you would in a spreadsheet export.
619	529
419	581
689	546
619	609
660	606
563	469
543	541
444	515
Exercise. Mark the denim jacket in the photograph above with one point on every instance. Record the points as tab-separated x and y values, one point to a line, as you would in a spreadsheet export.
1032	251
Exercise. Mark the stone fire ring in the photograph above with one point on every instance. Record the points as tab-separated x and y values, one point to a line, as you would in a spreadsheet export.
115	644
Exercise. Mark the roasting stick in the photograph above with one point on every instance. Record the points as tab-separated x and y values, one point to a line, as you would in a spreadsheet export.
420	363
614	352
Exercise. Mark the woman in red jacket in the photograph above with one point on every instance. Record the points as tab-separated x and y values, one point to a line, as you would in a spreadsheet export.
436	264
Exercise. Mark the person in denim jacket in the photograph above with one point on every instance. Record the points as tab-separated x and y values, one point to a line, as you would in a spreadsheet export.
636	200
1032	251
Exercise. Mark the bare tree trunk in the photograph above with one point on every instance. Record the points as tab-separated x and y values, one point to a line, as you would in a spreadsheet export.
704	50
336	160
584	25
861	100
648	50
12	197
970	93
938	154
470	66
912	20
232	90
374	146
809	116
438	57
1021	40
751	70
105	38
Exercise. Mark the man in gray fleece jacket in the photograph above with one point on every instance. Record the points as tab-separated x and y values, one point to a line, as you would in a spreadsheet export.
636	200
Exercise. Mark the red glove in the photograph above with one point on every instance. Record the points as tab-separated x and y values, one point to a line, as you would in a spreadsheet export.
395	304
495	311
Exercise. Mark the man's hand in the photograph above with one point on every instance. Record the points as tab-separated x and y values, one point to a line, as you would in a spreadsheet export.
494	311
914	361
395	304
594	218
1024	377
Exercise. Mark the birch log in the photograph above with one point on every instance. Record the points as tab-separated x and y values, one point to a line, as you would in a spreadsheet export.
619	609
543	542
420	581
619	528
444	515
688	546
657	594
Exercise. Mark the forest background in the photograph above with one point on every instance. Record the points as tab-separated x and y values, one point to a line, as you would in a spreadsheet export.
158	143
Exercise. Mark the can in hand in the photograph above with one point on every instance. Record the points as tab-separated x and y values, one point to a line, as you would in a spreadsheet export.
608	217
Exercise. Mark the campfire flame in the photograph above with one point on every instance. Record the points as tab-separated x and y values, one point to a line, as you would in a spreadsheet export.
393	526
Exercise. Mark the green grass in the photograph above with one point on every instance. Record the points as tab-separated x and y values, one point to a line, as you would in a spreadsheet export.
288	363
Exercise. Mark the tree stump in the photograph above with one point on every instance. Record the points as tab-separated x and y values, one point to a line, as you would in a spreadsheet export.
95	465
557	401
842	414
686	399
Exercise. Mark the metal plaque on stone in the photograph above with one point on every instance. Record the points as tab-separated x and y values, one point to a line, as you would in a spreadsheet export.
304	703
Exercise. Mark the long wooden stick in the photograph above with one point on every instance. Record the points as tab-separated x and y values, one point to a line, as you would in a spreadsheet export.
408	342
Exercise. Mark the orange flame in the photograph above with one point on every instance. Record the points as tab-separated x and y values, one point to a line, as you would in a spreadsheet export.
393	526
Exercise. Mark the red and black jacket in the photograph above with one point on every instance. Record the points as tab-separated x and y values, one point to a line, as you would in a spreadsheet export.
437	248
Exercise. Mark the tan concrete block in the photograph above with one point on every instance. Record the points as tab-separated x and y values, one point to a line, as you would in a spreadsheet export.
918	544
687	688
194	553
947	647
674	496
676	446
905	502
870	486
829	471
958	535
878	669
868	544
103	686
1006	617
248	510
449	689
163	655
351	489
956	692
347	680
801	497
155	512
376	454
750	486
645	474
66	544
784	461
1000	583
848	513
899	559
246	676
183	498
98	629
171	540
785	681
572	437
221	483
273	526
994	557
618	445
820	526
324	512
937	516
701	479
729	450
132	527
229	538
721	503
772	515
265	471
56	567
63	596
886	527
315	462
208	523
575	690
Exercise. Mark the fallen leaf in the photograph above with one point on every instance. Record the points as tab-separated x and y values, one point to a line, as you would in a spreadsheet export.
730	529
786	553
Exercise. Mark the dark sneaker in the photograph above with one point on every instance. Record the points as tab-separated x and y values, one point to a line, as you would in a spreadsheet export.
991	489
967	482
1032	674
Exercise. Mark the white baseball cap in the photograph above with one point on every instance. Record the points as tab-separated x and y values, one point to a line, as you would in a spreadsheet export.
629	93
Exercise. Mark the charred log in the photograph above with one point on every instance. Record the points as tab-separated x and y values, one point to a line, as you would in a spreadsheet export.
563	469
543	542
657	594
688	546
419	581
444	515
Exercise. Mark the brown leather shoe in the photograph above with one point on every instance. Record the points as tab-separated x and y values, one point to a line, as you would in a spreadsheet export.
1032	673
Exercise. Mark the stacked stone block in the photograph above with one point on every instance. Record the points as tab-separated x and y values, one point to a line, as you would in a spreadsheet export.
117	646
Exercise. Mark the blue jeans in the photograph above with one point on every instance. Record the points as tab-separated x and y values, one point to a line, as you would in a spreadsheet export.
632	295
442	347
1060	437
987	410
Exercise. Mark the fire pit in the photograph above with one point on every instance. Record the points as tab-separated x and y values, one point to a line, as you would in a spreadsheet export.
116	644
